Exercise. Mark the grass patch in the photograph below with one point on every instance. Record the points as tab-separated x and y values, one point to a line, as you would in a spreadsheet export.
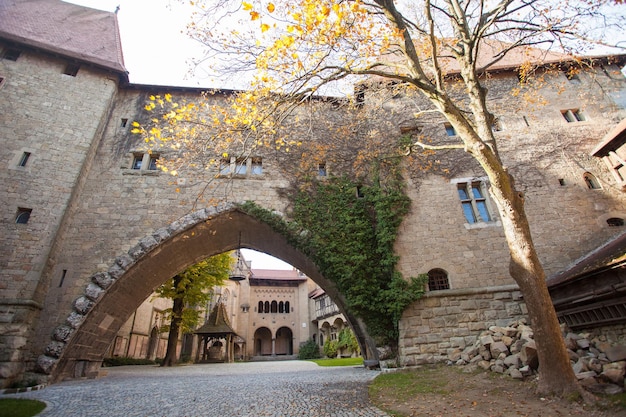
338	361
407	384
18	407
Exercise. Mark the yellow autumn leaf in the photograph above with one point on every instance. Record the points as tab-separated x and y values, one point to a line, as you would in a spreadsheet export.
247	6
254	15
136	124
264	27
270	8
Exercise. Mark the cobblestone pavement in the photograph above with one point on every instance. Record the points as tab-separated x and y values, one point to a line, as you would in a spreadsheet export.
285	388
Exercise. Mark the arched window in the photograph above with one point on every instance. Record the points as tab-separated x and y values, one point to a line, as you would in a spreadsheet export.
274	307
438	280
591	181
260	306
287	307
281	307
615	222
267	307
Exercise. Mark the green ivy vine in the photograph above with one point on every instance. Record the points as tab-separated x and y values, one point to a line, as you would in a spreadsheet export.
349	230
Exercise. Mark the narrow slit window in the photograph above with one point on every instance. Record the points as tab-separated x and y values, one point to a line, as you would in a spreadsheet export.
137	161
321	170
153	166
450	131
23	215
71	70
24	159
615	222
1	81
63	274
124	122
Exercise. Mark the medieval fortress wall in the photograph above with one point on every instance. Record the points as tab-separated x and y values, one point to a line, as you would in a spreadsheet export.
90	206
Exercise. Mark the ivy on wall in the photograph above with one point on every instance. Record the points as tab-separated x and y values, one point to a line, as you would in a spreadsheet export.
349	229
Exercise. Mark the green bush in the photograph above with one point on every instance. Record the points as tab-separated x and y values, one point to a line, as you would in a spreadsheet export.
330	348
309	350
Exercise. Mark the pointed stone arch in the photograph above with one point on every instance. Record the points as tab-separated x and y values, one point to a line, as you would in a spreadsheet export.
78	346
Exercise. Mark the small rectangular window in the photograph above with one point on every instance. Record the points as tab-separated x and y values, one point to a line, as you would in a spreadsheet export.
24	159
23	215
153	162
71	70
137	161
11	54
1	81
241	166
225	166
450	130
321	170
573	115
256	167
124	122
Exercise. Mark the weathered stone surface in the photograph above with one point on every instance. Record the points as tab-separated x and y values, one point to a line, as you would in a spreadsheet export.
83	305
75	319
616	353
46	363
103	279
63	333
516	374
54	349
498	348
93	291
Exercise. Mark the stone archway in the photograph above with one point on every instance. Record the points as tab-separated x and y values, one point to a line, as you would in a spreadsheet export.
79	345
284	341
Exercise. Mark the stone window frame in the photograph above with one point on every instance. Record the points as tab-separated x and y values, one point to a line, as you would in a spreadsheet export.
438	280
23	214
591	181
616	164
143	163
574	115
17	161
250	167
483	185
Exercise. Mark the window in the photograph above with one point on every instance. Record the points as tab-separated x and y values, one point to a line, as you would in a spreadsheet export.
359	192
256	167
24	159
23	215
11	54
591	181
450	130
496	126
562	182
152	166
617	165
124	122
321	169
266	307
225	166
1	81
573	115
241	167
281	307
474	201
71	70
615	222
438	280
260	306
137	161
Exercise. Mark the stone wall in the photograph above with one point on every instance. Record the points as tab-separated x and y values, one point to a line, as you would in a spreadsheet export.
445	321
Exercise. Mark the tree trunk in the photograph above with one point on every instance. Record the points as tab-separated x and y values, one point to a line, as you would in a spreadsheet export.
172	339
556	375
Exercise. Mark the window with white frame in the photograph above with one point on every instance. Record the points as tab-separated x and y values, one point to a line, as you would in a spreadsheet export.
473	196
245	167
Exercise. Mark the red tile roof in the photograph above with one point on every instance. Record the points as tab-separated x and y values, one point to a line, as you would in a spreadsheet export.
278	274
87	35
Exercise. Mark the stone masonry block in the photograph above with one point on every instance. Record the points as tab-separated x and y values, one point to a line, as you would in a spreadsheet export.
83	305
63	333
103	279
93	291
